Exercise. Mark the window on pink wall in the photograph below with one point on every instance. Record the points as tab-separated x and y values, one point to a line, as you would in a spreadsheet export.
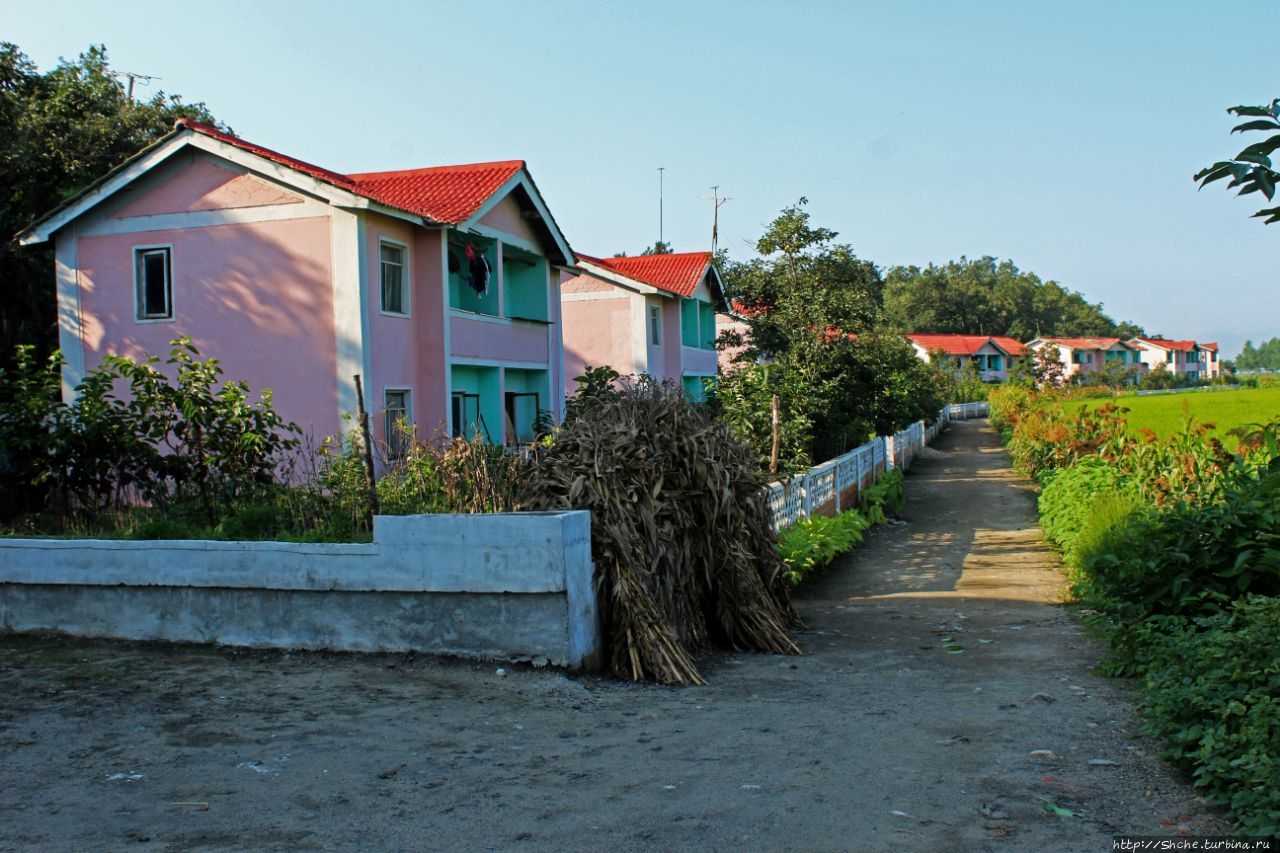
153	283
655	325
395	300
396	422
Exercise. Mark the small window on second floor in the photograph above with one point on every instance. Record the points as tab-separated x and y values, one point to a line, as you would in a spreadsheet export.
394	300
655	325
153	280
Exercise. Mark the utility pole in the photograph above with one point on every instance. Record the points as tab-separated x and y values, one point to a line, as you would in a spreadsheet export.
661	169
715	216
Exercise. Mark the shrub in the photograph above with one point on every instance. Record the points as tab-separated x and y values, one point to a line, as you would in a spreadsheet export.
1213	695
1080	504
812	543
888	491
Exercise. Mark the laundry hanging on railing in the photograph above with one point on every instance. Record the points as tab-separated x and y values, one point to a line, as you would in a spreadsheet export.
477	271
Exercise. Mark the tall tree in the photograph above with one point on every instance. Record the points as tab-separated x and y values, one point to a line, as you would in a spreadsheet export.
59	132
813	310
1251	169
990	297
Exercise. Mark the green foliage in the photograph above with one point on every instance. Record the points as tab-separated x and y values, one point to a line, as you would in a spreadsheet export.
744	400
594	384
1265	356
184	438
812	543
990	297
888	491
1251	169
1080	504
1213	696
1175	548
59	132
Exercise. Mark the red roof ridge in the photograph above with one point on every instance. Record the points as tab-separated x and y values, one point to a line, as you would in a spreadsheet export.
263	151
398	173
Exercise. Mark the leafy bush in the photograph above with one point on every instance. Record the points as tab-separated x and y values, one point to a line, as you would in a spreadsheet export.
888	491
1080	504
812	543
1189	560
1213	695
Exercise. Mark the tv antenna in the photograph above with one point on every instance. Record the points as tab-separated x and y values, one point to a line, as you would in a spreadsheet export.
133	77
715	216
661	169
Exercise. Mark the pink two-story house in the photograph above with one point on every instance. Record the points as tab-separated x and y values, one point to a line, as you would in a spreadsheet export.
1184	359
438	286
653	314
1086	355
991	358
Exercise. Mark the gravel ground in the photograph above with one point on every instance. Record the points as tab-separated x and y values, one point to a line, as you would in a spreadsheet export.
944	702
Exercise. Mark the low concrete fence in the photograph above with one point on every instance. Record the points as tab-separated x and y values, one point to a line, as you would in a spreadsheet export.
514	586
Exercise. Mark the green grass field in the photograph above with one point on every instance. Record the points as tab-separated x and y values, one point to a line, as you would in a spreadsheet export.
1165	414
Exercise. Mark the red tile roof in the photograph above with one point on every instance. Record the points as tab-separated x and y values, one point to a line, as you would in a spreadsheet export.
951	344
676	273
1085	343
443	194
1010	345
1209	345
1180	346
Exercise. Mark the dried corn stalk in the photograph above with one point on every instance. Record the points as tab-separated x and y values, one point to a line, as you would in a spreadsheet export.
680	530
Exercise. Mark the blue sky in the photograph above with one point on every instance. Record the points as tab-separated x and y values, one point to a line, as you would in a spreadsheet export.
1060	135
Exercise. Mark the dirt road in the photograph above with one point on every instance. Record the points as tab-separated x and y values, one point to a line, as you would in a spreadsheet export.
879	737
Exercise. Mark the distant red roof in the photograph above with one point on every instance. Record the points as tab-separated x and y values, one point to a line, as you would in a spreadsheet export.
1010	345
1180	346
951	344
444	194
676	273
1086	343
1209	345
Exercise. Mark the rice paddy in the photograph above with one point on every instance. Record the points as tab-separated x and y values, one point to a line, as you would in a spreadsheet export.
1166	414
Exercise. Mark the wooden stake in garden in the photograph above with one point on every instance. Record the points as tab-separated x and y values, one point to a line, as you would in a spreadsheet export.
777	437
369	480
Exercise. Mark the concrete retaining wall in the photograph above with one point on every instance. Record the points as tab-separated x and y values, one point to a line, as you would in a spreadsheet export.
512	585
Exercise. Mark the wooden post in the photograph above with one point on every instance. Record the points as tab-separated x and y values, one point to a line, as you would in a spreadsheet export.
369	481
777	437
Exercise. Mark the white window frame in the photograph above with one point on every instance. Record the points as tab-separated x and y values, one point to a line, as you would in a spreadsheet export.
655	325
387	435
405	289
136	253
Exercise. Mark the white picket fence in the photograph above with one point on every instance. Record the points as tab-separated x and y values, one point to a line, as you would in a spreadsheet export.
965	411
836	484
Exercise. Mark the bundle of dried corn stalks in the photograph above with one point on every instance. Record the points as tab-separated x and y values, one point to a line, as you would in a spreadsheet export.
680	531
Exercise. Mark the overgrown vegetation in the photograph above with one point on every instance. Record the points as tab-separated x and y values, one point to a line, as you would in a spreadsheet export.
809	545
181	453
1174	547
